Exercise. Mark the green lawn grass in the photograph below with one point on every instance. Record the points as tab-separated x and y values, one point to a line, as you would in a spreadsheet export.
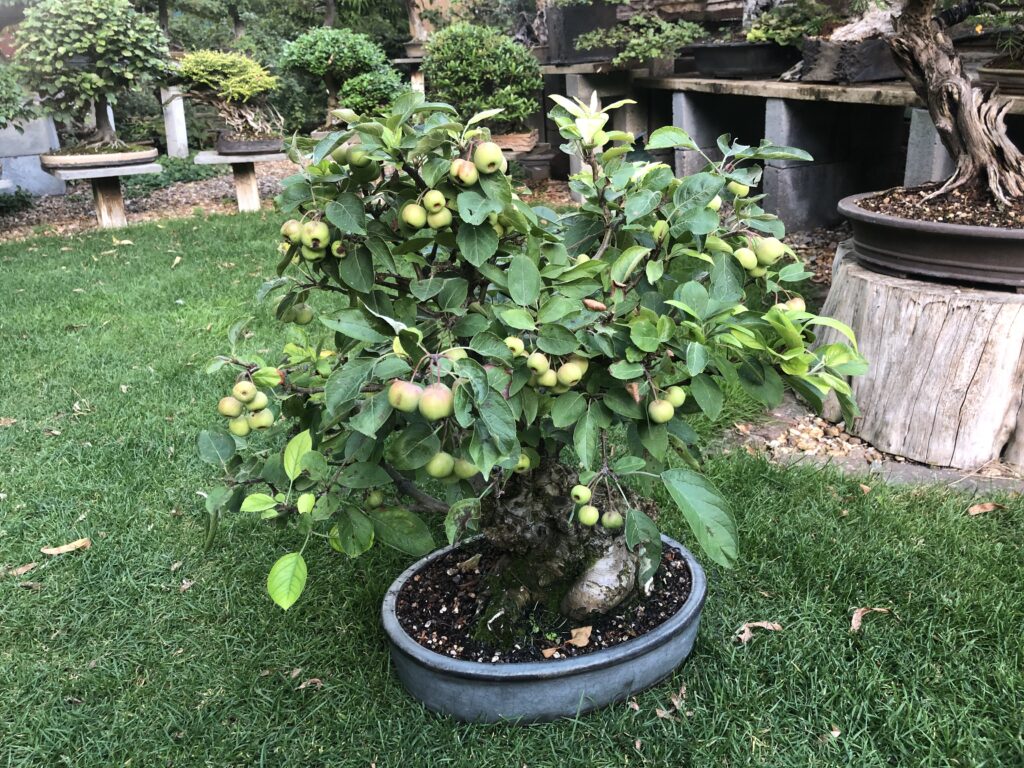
111	663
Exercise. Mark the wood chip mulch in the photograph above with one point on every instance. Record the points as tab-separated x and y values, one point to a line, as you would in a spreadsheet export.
439	606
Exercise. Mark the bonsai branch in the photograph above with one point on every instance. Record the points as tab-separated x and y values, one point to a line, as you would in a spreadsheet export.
424	501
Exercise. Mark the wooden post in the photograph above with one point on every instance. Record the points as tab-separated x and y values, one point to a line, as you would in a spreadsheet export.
946	374
247	190
109	202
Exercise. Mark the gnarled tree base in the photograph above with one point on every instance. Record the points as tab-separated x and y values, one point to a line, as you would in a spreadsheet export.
946	379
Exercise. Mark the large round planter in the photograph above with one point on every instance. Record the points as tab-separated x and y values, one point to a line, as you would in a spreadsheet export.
743	60
96	160
935	250
541	691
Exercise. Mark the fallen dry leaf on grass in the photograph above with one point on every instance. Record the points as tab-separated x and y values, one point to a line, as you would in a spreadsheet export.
186	584
21	570
980	509
865	488
176	262
860	613
7	421
295	672
664	714
313	682
580	637
33	585
633	705
746	633
69	547
176	565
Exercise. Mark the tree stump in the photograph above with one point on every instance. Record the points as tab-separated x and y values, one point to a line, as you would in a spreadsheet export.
946	366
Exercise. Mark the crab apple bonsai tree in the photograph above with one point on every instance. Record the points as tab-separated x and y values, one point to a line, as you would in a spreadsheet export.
513	371
79	55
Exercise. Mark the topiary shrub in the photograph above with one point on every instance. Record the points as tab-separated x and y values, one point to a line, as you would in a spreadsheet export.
456	352
236	86
354	69
477	69
78	54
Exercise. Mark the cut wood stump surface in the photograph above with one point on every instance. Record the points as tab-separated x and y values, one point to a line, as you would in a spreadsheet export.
946	366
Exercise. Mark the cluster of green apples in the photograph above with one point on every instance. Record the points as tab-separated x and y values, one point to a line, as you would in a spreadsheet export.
246	409
559	377
433	209
314	239
589	515
755	254
663	409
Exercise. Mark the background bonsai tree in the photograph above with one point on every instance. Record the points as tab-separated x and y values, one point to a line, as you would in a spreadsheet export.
515	371
352	66
969	119
78	55
791	23
477	69
644	36
236	87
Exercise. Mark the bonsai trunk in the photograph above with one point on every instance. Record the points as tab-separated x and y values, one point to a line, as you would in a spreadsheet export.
332	95
969	121
104	135
548	558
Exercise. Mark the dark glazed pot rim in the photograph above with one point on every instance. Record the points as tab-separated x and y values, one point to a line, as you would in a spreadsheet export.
546	670
851	209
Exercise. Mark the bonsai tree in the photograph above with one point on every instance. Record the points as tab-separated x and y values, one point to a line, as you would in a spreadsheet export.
234	85
644	36
968	119
78	55
791	23
459	353
350	64
478	69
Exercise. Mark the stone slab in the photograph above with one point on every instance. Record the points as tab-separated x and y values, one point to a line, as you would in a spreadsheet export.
106	173
209	157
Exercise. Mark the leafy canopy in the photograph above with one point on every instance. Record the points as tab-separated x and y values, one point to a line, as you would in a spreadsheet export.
645	287
232	77
14	102
338	53
74	52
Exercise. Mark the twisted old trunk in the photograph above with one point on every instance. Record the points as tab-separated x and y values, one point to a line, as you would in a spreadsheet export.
969	120
548	558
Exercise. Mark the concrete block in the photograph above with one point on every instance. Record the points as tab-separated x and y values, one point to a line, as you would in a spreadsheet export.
175	131
26	173
927	158
36	137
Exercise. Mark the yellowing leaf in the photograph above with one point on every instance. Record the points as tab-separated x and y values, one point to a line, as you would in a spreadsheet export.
860	613
746	633
580	637
980	509
65	548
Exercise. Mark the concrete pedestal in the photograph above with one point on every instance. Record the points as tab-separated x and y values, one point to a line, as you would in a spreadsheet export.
19	156
106	189
175	131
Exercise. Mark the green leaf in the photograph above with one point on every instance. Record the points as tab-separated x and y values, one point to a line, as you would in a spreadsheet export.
708	395
627	262
641	203
401	529
706	511
557	307
585	439
297	447
344	384
414	446
644	334
567	409
477	243
626	371
670	137
287	579
372	415
642	532
355	324
523	280
475	207
258	502
500	422
363	474
356	271
463	517
347	214
215	446
520	319
353	533
557	340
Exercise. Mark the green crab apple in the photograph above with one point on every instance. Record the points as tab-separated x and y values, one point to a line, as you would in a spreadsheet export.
230	407
465	469
516	345
456	353
660	230
660	411
303	314
313	254
244	391
580	494
588	515
259	402
437	402
612	520
737	189
414	215
676	396
239	426
582	362
439	220
768	250
569	374
487	157
338	249
291	230
359	158
796	304
315	235
758	271
440	465
434	201
404	396
340	154
261	419
366	173
548	379
523	465
746	257
582	259
463	172
374	499
538	363
716	203
396	344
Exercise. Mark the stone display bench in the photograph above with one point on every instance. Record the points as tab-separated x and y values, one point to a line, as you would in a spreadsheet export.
106	189
243	168
945	385
6	187
855	133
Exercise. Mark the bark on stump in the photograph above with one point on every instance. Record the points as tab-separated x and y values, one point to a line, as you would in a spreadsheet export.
946	366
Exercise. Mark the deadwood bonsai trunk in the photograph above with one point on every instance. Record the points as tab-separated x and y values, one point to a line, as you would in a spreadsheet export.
547	558
969	120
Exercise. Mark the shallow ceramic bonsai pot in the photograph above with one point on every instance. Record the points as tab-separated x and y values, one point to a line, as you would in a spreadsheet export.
115	158
544	690
228	146
991	256
743	60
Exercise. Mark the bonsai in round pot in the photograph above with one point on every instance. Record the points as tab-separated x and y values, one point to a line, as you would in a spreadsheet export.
1006	71
78	56
237	87
354	69
509	372
479	69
